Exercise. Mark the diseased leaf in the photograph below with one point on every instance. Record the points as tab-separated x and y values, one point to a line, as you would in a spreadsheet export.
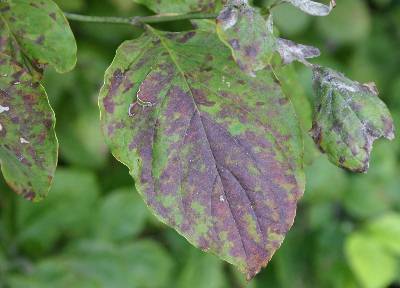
291	51
248	34
28	145
8	44
349	117
312	7
215	154
180	6
41	32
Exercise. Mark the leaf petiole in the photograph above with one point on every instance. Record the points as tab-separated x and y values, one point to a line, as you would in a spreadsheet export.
139	19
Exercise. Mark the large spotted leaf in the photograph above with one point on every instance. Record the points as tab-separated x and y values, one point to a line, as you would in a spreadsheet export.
215	154
181	6
349	117
248	34
40	31
28	145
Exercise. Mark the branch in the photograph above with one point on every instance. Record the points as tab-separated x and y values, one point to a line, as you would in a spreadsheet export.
139	19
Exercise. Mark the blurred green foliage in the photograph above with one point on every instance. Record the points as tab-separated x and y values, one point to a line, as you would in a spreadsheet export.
94	231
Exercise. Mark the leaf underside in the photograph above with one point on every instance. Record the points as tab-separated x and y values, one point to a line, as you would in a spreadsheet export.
349	117
215	154
312	7
28	145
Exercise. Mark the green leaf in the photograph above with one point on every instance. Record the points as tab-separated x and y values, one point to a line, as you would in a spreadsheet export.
349	117
349	24
42	33
248	34
312	7
67	212
144	264
290	20
372	264
122	215
180	6
216	154
197	267
28	144
386	230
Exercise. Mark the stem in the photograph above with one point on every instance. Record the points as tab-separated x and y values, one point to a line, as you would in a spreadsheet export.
139	19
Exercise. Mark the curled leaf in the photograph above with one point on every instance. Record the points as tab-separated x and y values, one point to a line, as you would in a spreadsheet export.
248	34
41	32
215	154
291	51
312	7
349	117
28	145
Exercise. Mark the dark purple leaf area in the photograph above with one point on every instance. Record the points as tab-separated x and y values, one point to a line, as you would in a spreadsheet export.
216	154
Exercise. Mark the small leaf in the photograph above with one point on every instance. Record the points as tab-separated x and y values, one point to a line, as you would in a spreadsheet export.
180	6
291	51
349	117
312	7
28	145
216	154
248	34
42	33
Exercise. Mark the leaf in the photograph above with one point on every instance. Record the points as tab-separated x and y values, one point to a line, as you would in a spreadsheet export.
386	230
350	24
143	264
121	216
28	145
180	6
66	213
216	154
290	21
199	265
312	7
291	51
349	117
371	263
42	33
248	34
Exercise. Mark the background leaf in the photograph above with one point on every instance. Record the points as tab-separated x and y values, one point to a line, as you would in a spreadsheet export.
100	264
66	213
374	266
121	216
